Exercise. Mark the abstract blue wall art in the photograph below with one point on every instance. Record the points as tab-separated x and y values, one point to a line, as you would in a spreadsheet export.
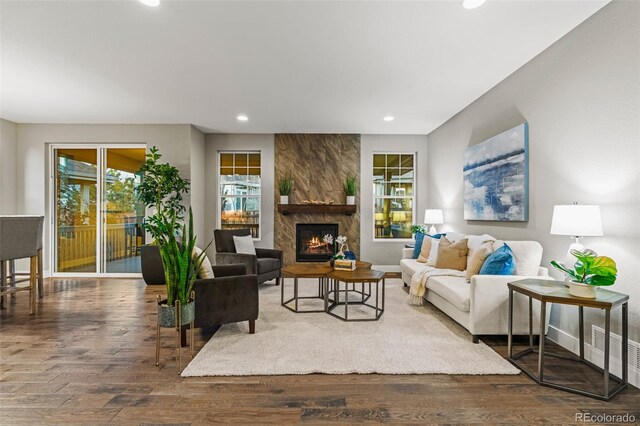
496	177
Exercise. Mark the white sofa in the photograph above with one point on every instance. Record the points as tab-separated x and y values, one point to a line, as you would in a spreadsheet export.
482	305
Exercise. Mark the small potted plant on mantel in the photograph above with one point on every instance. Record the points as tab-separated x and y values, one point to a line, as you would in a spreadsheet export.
285	185
350	189
589	272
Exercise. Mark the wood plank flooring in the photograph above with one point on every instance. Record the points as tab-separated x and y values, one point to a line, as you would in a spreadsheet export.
87	357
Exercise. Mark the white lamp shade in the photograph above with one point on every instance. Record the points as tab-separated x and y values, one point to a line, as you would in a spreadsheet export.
433	217
576	220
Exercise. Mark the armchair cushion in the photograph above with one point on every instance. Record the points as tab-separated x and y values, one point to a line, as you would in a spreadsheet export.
225	300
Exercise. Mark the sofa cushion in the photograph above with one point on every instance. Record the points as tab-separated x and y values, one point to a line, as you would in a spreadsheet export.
500	262
528	256
455	289
411	266
452	255
267	264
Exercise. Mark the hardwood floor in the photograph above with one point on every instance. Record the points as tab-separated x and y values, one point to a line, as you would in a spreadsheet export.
87	357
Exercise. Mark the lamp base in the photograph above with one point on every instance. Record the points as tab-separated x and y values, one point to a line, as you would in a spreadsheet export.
432	230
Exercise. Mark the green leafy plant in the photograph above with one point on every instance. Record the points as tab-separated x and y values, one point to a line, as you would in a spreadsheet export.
351	186
180	267
418	228
285	184
162	189
590	268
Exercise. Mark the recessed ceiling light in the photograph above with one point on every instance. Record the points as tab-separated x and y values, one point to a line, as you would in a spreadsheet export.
388	118
242	117
472	4
152	3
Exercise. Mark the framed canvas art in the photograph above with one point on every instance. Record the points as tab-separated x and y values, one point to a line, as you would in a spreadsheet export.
496	177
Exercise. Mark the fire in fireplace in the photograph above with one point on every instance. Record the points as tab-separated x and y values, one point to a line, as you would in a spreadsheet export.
310	245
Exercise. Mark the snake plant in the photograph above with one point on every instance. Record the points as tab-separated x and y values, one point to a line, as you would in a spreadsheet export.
180	267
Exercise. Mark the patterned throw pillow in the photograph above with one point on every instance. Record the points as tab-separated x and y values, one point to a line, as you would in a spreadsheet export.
500	262
452	255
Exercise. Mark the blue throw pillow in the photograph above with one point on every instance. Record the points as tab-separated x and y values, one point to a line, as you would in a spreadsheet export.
419	238
500	262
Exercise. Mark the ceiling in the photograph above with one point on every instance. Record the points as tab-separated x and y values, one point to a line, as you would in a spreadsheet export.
296	66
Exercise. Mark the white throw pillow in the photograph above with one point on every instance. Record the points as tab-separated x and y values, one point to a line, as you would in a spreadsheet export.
205	271
244	244
433	254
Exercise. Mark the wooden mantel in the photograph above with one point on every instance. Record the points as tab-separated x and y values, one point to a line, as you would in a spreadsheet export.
347	209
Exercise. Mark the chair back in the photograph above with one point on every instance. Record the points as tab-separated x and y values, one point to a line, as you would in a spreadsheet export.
20	236
224	239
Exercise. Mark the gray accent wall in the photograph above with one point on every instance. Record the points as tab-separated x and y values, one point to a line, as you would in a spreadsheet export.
581	98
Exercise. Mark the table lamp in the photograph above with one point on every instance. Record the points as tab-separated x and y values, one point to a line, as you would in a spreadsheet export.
576	221
433	217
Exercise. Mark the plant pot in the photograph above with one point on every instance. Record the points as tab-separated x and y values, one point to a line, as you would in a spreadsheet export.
351	200
167	314
284	199
585	291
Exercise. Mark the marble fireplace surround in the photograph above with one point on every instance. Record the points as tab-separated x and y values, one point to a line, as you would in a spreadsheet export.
319	164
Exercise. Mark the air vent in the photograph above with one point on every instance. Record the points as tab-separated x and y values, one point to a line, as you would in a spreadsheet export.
615	346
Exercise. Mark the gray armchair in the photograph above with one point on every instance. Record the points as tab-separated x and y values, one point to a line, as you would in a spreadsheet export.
232	296
266	264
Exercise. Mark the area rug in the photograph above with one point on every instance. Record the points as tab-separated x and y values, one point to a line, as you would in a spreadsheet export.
406	340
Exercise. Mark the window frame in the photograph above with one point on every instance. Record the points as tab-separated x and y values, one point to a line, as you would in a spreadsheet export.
219	185
375	197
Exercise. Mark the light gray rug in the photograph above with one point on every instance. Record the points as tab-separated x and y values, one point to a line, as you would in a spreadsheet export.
406	340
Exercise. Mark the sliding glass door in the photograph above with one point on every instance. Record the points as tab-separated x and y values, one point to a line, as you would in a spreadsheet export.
97	219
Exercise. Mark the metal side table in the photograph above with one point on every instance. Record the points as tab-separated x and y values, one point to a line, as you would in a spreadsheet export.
556	292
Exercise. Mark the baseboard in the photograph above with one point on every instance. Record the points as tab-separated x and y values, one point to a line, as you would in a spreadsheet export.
387	268
572	344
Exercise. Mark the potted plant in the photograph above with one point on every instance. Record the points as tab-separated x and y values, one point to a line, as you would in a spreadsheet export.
180	269
350	189
589	272
285	185
161	190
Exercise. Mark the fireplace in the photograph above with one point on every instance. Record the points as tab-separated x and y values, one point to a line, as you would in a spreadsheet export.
310	246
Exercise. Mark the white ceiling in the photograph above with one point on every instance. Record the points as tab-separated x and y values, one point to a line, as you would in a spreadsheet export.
297	66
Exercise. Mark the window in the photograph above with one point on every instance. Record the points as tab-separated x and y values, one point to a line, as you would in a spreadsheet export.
393	195
239	191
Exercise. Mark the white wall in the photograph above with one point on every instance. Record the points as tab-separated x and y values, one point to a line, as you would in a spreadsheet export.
8	147
240	142
197	177
32	183
388	253
581	98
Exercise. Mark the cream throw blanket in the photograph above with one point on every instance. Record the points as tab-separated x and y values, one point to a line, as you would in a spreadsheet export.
419	282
